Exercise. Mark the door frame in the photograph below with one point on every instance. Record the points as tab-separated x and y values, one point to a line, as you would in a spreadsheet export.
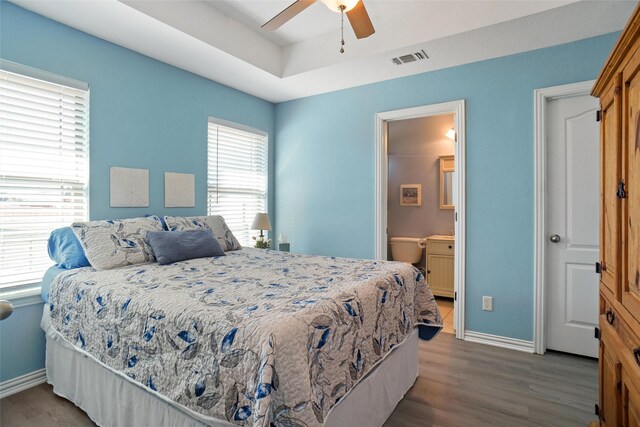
457	108
541	98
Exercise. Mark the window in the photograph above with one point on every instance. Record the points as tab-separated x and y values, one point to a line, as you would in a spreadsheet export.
44	168
237	177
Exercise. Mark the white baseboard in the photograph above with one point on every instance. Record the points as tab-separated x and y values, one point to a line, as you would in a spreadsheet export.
498	341
23	382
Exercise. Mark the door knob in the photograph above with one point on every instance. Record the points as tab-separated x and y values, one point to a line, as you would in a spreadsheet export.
6	308
555	238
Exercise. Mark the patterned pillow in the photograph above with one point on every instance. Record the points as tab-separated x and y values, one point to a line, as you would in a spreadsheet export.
214	223
116	243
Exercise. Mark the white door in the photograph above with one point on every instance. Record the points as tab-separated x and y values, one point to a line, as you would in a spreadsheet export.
571	224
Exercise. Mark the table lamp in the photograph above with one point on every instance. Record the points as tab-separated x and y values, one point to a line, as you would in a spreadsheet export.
261	222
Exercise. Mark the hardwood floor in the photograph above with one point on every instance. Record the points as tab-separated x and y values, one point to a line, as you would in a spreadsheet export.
460	384
39	407
468	384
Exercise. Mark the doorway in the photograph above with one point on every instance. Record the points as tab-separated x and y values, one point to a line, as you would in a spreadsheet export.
420	210
453	181
567	219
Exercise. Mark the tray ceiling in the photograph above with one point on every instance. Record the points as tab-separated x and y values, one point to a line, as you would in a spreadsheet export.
222	39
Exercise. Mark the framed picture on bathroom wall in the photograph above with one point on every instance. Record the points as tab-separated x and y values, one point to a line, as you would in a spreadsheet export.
411	195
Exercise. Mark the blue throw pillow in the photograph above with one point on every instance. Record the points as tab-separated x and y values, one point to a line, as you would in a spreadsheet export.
173	246
65	249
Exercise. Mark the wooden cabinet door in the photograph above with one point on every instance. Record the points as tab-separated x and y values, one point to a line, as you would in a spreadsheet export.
631	173
610	206
440	274
630	403
609	377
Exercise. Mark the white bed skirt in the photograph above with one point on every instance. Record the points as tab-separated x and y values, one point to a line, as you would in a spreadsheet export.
111	399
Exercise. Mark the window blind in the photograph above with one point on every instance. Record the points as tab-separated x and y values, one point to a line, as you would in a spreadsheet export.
237	178
44	170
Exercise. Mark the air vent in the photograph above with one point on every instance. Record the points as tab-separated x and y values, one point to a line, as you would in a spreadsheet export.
407	58
412	57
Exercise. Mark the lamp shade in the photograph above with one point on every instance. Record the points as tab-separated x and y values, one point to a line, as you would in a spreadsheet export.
451	134
261	222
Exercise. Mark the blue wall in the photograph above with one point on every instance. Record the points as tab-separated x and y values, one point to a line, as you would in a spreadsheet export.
22	344
325	168
144	114
147	114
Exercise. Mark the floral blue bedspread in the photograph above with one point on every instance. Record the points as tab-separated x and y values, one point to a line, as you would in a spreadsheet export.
254	337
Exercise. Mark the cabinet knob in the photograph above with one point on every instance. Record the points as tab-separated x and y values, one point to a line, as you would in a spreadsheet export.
450	247
636	355
611	316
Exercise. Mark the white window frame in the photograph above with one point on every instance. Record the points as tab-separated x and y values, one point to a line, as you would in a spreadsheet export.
249	129
28	293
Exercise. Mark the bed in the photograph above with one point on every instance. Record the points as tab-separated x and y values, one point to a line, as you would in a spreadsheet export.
256	337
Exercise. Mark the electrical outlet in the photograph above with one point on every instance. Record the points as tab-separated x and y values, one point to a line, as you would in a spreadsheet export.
487	303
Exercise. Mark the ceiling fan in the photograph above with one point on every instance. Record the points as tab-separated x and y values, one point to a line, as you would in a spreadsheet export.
355	10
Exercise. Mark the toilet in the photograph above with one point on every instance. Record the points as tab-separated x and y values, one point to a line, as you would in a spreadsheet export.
407	249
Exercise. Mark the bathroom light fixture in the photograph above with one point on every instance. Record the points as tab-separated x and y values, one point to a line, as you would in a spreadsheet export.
451	134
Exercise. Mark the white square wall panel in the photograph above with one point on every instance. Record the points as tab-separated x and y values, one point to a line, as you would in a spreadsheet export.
129	187
179	190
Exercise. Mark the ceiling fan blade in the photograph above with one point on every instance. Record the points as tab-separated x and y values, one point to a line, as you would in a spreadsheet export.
284	16
360	21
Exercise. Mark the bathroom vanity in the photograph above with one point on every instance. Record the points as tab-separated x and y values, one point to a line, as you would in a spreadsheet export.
440	265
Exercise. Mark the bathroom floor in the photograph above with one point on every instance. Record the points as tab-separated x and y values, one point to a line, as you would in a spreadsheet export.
445	305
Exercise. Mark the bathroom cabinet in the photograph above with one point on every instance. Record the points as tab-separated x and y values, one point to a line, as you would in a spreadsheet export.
618	88
440	265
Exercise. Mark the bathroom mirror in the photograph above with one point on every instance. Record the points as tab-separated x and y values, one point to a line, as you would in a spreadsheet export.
446	182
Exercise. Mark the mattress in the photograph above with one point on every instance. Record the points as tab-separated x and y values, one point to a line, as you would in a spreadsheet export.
254	338
48	277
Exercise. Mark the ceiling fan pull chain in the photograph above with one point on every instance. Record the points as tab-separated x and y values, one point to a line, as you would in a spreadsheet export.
342	8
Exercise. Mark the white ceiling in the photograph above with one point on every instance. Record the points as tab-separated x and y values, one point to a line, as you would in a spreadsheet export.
315	21
222	39
393	18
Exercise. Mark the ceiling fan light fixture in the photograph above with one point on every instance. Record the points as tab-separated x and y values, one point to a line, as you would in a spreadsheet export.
354	9
336	5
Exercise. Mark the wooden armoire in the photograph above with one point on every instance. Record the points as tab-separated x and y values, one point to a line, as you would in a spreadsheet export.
618	88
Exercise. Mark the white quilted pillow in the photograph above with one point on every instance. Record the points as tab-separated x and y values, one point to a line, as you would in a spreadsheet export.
214	223
116	243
